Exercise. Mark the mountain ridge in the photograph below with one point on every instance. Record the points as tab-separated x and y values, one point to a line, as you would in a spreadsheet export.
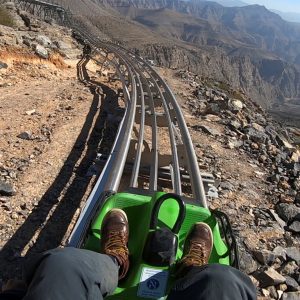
233	45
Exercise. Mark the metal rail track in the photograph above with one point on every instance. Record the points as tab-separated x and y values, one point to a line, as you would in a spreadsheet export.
43	9
144	92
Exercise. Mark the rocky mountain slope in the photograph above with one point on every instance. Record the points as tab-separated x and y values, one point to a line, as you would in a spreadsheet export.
251	25
249	47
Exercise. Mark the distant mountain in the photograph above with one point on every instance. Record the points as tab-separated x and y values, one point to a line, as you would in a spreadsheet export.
248	26
231	3
288	16
251	48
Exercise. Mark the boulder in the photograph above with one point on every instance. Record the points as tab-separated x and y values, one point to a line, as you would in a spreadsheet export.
247	263
279	221
10	5
258	127
295	157
25	135
255	136
25	17
63	45
294	254
6	189
235	105
41	51
234	144
212	192
234	124
289	268
212	118
280	252
269	277
207	130
283	142
43	40
291	283
287	212
264	257
283	184
272	292
30	112
213	108
295	227
226	185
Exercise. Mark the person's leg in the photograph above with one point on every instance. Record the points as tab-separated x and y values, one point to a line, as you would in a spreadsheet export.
212	282
70	274
78	274
201	281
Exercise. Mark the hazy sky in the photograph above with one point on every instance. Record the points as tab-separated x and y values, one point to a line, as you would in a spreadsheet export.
283	5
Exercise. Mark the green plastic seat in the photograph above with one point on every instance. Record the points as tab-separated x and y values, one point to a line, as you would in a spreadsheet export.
144	281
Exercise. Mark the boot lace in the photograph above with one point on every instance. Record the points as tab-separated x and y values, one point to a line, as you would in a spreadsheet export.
195	256
116	243
116	246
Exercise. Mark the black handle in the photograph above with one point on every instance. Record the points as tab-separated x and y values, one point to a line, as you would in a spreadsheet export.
156	208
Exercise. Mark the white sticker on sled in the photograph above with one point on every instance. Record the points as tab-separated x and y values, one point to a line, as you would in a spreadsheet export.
153	283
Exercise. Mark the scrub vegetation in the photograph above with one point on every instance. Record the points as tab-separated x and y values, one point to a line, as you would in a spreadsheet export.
5	18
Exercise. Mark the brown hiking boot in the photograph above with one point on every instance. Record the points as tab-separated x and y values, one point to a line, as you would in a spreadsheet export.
197	249
114	238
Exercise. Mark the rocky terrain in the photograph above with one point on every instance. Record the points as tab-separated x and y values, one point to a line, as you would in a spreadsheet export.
46	149
256	166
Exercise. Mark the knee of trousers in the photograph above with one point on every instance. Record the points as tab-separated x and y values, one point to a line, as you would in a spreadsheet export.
221	274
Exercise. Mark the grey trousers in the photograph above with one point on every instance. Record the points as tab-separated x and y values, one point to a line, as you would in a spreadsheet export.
76	274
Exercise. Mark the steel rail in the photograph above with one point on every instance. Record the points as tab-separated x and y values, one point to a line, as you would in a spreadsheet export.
176	180
195	176
154	148
110	177
154	164
135	172
137	161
